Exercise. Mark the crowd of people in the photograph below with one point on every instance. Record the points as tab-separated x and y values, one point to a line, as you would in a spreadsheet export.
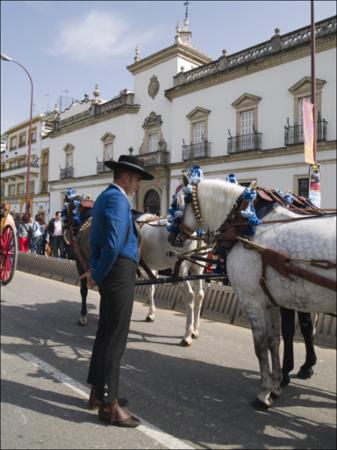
38	237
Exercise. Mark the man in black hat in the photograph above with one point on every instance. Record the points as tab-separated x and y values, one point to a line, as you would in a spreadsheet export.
114	260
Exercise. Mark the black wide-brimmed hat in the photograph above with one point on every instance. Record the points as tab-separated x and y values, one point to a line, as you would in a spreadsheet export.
130	163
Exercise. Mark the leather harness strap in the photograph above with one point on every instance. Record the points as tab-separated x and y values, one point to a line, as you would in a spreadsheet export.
147	270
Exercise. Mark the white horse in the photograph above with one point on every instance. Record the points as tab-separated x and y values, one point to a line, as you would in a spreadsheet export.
308	239
155	252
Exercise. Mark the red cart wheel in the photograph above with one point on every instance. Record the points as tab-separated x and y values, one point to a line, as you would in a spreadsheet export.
8	255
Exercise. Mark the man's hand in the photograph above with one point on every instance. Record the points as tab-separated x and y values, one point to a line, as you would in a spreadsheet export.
90	281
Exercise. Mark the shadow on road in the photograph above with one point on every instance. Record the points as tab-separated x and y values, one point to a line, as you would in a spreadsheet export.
207	404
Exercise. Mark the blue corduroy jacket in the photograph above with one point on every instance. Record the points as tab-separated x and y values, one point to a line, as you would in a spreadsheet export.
113	232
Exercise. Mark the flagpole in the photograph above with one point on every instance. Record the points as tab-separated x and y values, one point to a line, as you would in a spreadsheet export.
313	79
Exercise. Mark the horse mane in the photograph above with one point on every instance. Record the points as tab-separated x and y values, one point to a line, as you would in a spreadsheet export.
216	198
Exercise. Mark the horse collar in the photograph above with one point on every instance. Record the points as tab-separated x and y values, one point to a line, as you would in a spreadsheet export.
196	206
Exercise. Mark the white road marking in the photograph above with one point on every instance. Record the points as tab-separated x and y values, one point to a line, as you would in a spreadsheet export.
147	428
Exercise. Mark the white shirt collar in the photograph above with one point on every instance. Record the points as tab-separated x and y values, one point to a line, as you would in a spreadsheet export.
120	188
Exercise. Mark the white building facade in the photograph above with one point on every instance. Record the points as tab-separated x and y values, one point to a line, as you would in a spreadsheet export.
238	114
15	165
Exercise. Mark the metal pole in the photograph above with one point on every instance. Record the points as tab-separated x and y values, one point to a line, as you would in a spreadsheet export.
313	78
7	58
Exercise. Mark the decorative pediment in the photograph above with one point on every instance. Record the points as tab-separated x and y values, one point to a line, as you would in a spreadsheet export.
198	113
152	120
108	137
246	101
303	86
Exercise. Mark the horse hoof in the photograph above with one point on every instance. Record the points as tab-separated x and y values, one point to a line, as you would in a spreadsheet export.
194	335
149	319
305	373
184	343
258	405
265	400
82	321
285	379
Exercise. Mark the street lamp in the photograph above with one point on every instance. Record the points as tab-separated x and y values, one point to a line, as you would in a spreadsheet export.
7	58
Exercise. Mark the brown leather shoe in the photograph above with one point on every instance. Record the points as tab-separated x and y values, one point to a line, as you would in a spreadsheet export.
94	403
114	414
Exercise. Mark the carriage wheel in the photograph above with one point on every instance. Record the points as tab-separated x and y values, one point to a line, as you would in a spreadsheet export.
8	255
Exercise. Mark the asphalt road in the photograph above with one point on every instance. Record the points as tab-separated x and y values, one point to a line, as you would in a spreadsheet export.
197	397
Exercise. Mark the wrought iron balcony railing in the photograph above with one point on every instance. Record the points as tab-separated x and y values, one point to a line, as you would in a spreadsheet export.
68	172
294	134
101	168
20	164
244	142
158	158
196	151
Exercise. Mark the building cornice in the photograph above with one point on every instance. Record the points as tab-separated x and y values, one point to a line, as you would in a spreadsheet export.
25	124
92	120
188	52
261	57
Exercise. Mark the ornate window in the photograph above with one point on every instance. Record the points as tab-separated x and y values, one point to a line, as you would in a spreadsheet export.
301	90
153	142
69	155
152	133
108	140
33	135
198	118
246	113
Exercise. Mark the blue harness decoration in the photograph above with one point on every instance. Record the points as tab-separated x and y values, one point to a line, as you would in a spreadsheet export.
249	213
74	200
176	210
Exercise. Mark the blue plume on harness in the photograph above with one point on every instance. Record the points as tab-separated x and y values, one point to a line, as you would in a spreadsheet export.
231	178
175	213
249	213
76	202
195	174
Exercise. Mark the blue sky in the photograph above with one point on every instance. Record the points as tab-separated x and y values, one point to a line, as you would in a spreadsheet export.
68	46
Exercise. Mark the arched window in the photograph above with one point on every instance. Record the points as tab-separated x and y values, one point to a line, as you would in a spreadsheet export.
108	140
152	202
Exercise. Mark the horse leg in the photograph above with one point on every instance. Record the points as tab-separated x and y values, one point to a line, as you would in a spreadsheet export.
307	330
188	296
84	293
258	319
198	299
152	309
288	332
274	348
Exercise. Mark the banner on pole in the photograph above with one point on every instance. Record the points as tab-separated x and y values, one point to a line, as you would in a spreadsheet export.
315	185
308	131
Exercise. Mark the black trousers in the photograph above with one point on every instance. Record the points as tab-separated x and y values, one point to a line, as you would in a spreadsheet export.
117	291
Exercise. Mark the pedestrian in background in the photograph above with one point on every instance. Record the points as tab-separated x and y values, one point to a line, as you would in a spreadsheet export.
24	233
55	230
114	260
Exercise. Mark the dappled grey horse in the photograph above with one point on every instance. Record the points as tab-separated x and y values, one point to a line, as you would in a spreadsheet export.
251	276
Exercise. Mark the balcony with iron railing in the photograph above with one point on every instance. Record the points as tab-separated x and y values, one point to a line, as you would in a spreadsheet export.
67	172
196	151
158	158
244	142
19	168
294	134
101	168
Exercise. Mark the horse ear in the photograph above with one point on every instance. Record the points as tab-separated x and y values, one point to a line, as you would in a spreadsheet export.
186	180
